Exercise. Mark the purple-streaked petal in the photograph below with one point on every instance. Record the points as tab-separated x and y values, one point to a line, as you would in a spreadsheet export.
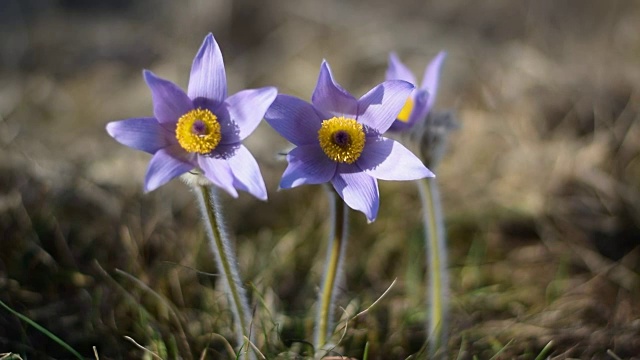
294	119
398	70
331	98
379	107
208	79
246	173
432	76
246	109
218	171
399	126
210	104
144	134
387	159
358	190
225	151
308	164
165	165
169	101
420	107
418	113
229	130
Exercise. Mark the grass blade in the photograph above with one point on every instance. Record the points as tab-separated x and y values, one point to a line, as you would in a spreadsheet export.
46	332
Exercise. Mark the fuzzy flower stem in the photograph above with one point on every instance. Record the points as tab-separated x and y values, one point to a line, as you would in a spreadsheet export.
227	266
333	268
437	262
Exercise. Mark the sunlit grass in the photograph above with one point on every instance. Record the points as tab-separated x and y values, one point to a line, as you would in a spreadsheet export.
503	291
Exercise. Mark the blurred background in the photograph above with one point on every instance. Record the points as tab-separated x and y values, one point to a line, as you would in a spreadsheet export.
541	183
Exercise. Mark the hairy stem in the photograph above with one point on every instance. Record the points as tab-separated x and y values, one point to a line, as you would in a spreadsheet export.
436	247
227	265
333	268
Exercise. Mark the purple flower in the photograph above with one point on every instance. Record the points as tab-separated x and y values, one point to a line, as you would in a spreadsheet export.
202	128
339	140
422	99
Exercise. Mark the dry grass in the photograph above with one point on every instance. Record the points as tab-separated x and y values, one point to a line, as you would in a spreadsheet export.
541	184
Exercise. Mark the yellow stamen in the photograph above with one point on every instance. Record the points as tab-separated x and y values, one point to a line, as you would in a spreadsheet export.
342	139
405	113
198	131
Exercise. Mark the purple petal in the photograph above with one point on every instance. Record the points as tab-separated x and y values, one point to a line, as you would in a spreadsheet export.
308	164
399	71
432	77
208	79
169	101
381	105
246	173
294	119
144	134
331	98
225	151
420	107
399	126
218	171
387	159
165	165
418	113
246	110
358	190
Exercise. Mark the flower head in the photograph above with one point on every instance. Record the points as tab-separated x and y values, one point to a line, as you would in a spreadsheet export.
421	100
202	128
339	139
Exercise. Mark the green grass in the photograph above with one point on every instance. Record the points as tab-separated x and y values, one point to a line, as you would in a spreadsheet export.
41	329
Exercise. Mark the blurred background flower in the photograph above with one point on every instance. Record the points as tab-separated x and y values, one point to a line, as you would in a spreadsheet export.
422	99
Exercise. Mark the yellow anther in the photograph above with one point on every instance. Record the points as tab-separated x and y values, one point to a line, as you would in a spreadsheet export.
198	131
342	139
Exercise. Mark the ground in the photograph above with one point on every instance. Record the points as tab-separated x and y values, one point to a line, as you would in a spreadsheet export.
540	184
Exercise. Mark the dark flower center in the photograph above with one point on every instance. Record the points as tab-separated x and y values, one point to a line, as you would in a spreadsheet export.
199	127
341	138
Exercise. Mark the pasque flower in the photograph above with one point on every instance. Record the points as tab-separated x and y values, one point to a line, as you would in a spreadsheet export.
428	132
339	140
421	100
201	129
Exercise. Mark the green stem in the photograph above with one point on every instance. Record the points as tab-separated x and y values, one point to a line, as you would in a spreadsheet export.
333	269
437	263
227	266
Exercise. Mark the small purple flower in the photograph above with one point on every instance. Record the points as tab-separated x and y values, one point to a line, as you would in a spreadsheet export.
202	128
339	140
422	99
